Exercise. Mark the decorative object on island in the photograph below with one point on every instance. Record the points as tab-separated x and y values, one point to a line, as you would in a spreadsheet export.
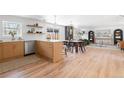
118	35
56	32
69	32
52	33
12	33
49	33
91	36
48	37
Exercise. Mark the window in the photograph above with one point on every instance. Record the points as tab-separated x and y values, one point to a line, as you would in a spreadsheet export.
12	26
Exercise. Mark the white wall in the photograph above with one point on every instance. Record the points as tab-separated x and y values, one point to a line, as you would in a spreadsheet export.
111	28
27	21
100	28
85	36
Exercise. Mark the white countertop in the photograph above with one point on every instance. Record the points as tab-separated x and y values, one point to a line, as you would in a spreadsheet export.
51	40
4	41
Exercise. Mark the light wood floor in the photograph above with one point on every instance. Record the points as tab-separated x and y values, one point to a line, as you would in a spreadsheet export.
94	63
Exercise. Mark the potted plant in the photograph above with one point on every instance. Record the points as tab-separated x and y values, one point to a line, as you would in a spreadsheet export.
80	34
12	33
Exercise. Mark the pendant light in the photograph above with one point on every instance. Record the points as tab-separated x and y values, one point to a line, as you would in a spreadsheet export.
55	28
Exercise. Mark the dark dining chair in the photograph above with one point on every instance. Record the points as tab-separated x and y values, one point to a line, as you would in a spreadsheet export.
66	47
82	46
71	46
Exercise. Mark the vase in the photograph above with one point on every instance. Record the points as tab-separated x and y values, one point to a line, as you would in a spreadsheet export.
13	38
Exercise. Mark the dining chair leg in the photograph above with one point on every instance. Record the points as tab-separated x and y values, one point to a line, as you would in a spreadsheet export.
72	49
81	49
65	51
84	48
76	49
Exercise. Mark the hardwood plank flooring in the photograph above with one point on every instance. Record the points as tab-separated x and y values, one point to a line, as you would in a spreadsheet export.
95	62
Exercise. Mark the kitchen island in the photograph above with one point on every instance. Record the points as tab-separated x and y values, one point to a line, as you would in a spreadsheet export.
49	49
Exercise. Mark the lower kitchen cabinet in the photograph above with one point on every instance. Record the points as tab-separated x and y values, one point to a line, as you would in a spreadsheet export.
8	50
18	49
11	50
0	51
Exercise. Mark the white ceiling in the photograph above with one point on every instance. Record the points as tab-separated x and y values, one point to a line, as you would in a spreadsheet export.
81	20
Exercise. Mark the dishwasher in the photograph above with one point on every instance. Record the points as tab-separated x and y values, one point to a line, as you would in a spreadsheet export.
29	47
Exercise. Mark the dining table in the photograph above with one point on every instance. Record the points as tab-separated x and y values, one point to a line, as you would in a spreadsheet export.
75	43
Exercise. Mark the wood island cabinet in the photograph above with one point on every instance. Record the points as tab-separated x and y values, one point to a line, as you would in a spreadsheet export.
0	51
49	50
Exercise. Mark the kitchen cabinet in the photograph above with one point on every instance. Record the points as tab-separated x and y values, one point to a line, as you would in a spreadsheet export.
57	51
8	50
0	51
12	49
18	49
44	49
49	50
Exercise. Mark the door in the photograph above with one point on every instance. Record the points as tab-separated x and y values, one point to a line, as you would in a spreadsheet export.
118	36
69	32
91	36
